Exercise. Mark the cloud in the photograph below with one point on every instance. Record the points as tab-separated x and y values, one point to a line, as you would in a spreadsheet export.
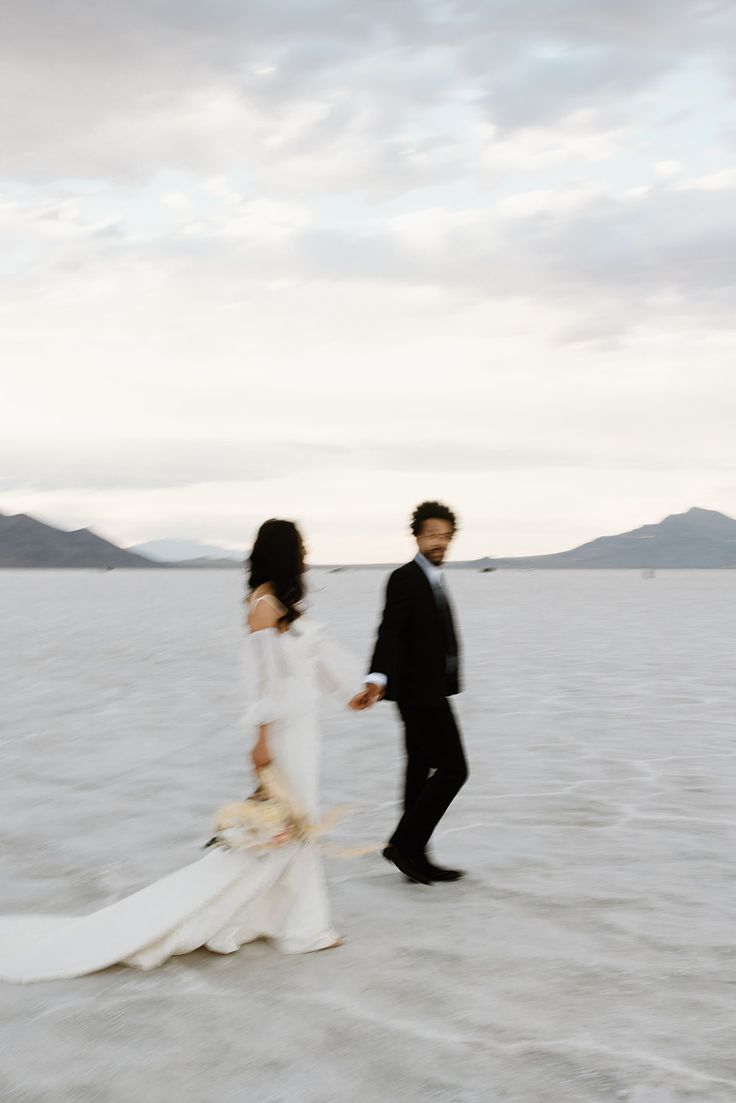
278	246
725	180
510	117
661	254
608	261
379	97
151	466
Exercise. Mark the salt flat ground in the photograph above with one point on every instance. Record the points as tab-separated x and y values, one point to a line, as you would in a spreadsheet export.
589	954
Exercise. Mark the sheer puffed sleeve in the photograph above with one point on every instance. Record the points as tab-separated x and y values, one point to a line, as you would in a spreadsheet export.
265	677
339	672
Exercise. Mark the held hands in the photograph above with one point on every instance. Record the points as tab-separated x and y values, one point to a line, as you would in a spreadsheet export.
367	697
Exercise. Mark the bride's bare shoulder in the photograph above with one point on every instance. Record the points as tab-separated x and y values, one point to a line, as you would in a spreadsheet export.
265	590
264	608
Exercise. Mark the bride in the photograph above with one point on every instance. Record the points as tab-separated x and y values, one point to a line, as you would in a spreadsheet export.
228	897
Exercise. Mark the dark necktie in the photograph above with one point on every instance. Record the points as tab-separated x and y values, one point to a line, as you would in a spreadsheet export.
448	629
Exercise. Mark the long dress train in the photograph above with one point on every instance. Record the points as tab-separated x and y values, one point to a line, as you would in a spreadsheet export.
226	898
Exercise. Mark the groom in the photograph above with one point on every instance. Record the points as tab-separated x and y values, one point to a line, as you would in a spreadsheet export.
416	664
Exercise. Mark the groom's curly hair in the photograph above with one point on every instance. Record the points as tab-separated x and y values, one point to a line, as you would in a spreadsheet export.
277	558
426	511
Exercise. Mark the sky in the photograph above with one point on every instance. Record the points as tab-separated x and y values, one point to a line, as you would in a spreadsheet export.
324	259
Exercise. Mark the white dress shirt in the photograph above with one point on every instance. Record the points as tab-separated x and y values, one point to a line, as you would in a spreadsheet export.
435	575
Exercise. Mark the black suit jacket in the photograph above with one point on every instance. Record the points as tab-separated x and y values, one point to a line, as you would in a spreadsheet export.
414	640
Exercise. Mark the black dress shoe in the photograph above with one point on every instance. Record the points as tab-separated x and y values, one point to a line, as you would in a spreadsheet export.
440	873
411	869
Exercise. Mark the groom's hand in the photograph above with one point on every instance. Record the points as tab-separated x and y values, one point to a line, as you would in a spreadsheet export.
369	694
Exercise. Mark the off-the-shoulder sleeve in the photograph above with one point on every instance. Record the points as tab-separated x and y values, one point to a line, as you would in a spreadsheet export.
265	676
338	670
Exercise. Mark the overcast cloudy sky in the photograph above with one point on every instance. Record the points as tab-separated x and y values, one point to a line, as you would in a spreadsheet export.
324	258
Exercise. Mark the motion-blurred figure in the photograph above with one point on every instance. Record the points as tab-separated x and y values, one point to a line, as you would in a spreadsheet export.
416	663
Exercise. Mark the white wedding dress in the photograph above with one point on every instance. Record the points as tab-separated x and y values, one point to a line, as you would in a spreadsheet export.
228	897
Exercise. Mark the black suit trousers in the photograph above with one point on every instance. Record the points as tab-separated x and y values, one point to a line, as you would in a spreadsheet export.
433	743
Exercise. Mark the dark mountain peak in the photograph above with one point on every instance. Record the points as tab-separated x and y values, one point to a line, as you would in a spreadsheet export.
20	517
700	519
28	542
24	526
697	538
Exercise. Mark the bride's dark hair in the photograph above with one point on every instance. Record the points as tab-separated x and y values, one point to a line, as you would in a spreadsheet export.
277	558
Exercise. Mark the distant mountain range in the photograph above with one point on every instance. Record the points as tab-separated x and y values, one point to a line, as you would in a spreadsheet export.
26	542
182	551
699	538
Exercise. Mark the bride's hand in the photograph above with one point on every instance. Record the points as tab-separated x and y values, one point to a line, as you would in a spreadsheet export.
260	756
